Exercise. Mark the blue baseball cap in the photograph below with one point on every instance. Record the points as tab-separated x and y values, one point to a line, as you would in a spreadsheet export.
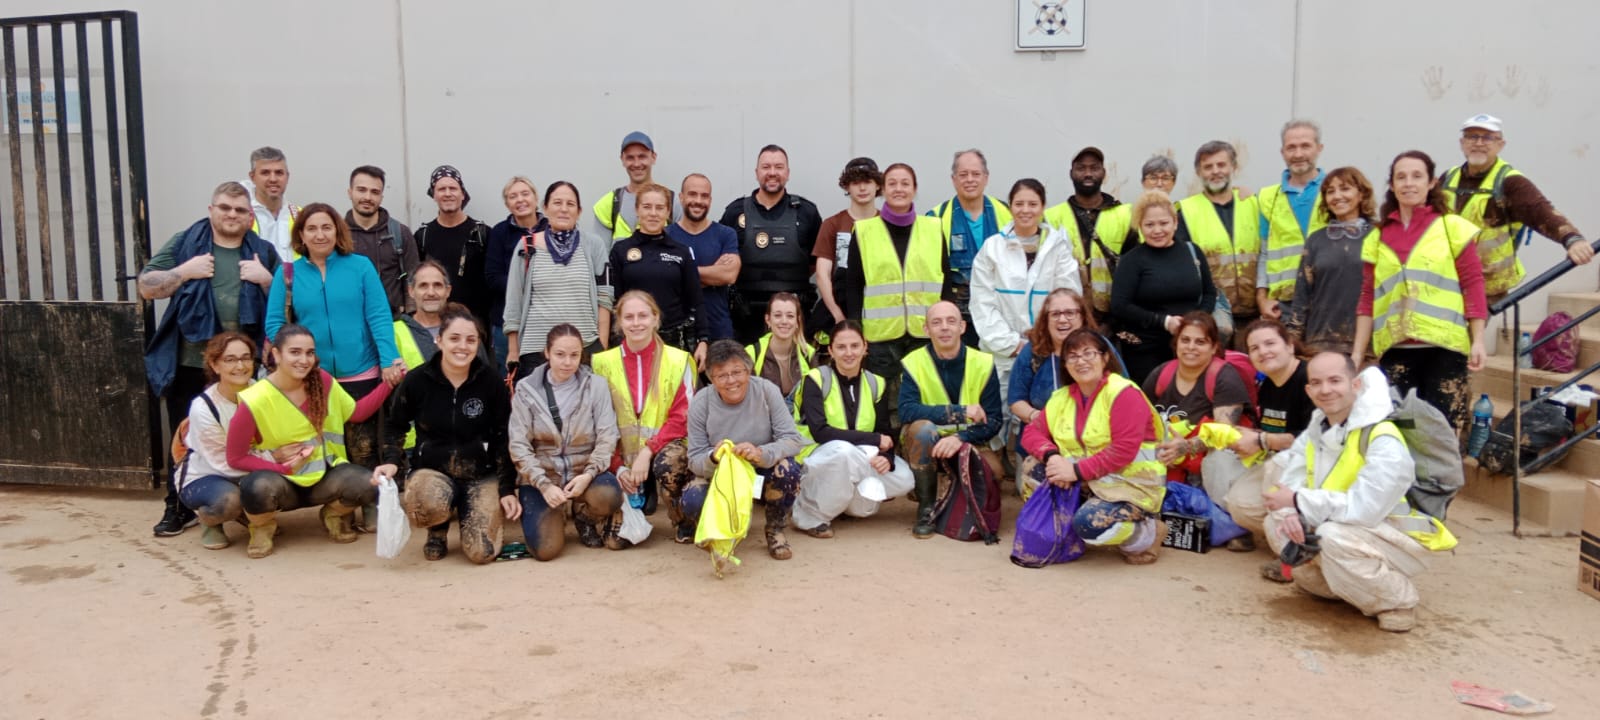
638	137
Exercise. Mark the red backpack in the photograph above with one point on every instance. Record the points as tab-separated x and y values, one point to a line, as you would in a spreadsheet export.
1560	353
1241	365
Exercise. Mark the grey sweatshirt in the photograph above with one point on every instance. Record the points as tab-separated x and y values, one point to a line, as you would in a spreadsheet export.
762	420
585	443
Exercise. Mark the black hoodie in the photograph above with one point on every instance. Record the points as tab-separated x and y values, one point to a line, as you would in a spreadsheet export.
461	432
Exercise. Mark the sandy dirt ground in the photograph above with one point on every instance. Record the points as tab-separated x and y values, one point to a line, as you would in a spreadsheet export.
101	620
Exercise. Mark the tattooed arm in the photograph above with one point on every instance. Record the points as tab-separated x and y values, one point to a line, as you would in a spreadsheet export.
1230	414
156	284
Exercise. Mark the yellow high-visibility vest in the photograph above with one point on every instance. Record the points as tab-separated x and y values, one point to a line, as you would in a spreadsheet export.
636	429
975	375
896	297
1094	267
412	355
1142	482
1427	530
1285	242
1497	245
1232	252
281	423
866	419
1420	299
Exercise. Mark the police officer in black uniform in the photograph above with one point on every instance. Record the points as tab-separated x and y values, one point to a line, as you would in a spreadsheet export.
651	261
776	233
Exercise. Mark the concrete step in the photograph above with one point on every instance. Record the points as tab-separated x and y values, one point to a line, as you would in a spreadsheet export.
1552	499
1583	458
1588	344
1574	304
1495	378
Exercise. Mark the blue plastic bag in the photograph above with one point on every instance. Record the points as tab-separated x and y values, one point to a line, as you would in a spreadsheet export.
1045	535
1190	500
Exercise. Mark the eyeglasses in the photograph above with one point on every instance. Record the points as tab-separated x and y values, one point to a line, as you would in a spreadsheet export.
1480	137
1059	314
731	376
1161	177
1085	356
235	359
232	209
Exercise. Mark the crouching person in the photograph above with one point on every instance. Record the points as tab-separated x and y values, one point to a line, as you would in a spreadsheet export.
298	414
752	413
460	465
1345	479
1102	431
563	436
207	484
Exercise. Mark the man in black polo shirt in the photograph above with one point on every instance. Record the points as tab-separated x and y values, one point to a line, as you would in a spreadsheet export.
776	232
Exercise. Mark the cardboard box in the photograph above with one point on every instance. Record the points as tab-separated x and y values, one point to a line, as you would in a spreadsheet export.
1187	532
1589	550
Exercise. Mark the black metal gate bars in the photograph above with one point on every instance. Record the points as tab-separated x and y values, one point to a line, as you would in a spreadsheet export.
74	409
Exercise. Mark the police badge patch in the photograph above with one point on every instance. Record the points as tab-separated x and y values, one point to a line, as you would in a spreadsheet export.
762	239
634	254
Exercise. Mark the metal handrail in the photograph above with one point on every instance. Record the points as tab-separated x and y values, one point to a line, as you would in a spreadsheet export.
1548	457
1535	285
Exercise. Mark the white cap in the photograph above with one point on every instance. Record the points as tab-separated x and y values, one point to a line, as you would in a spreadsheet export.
1487	122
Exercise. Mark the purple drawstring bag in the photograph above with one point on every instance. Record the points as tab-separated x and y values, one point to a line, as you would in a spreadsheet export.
1044	533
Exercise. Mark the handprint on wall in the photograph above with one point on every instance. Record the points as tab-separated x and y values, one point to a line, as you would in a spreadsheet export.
1434	83
1512	84
1480	90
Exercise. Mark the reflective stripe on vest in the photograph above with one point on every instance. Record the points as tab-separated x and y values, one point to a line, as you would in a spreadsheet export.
1094	269
1285	241
280	423
412	355
975	375
636	429
1428	531
1232	253
1421	298
896	298
1497	245
1143	481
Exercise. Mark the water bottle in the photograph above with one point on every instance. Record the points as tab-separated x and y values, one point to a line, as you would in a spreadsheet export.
635	499
1524	351
1482	416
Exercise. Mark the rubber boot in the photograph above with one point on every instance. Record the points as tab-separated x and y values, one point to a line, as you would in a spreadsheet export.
438	544
369	519
336	518
927	486
213	537
262	530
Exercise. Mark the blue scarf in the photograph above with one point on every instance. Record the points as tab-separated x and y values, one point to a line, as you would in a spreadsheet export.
192	312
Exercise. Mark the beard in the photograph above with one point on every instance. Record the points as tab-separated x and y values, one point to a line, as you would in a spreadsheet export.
696	213
1088	186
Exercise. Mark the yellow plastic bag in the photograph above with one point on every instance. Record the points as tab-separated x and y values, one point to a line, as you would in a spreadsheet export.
1220	436
725	517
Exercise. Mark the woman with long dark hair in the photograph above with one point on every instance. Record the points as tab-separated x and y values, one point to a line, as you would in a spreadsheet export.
574	283
299	409
1422	304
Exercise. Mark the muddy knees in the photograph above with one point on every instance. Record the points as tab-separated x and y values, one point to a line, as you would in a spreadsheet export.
596	513
215	501
670	468
340	491
431	497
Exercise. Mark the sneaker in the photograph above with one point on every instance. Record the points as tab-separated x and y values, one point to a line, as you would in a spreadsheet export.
436	548
1397	621
821	532
1242	544
175	520
213	537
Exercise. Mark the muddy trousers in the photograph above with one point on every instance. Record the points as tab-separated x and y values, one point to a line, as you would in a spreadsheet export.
431	497
670	470
1123	525
916	445
213	498
1438	375
341	490
780	484
1244	500
545	530
1368	567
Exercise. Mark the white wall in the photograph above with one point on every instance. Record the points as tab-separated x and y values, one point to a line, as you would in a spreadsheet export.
547	89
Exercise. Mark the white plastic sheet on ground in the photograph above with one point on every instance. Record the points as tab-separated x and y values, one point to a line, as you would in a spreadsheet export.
394	531
839	480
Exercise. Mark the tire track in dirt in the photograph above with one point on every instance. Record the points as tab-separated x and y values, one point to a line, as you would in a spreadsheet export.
225	615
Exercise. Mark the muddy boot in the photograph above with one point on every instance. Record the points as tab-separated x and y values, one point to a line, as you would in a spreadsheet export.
778	545
438	544
262	530
1397	621
927	486
588	534
369	519
213	537
651	496
336	518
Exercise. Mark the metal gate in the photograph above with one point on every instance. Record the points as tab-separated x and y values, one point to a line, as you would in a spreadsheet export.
74	405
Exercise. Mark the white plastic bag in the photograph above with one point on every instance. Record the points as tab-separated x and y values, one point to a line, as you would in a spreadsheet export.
874	490
635	528
831	473
393	529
